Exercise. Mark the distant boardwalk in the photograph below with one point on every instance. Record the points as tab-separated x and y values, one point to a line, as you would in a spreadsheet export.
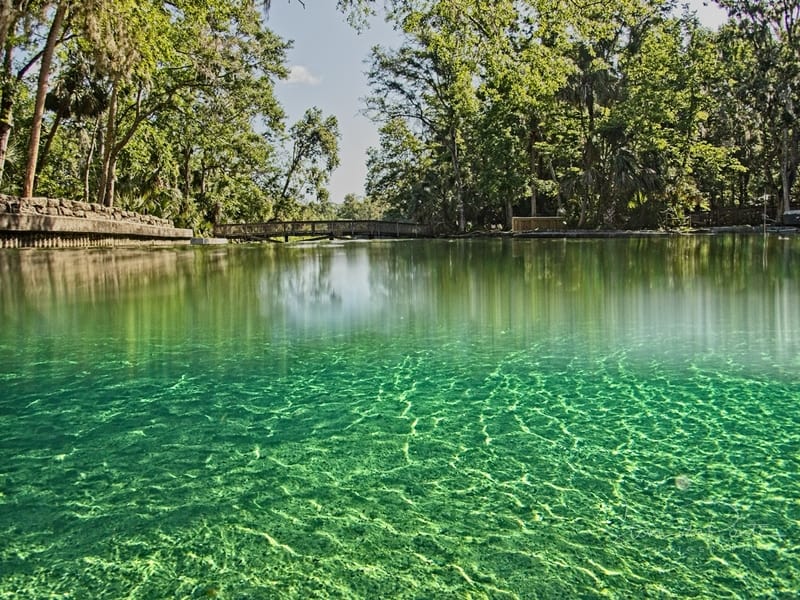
321	229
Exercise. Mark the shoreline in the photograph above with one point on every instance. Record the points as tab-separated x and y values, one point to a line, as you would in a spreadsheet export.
631	233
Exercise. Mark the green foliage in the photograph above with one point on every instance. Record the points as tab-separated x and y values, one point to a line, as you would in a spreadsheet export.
314	153
364	209
614	114
401	175
766	35
166	108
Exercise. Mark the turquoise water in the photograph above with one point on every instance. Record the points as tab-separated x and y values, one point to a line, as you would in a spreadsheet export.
423	419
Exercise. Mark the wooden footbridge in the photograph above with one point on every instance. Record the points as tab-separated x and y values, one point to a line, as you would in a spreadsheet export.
320	229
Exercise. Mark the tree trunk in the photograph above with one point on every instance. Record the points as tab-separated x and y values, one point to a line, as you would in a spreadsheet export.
103	196
186	169
41	93
6	125
8	16
203	173
789	163
462	220
6	109
111	184
89	157
785	187
48	143
532	171
297	156
582	216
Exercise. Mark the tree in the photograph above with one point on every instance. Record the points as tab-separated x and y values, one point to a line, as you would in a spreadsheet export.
11	15
772	29
215	46
523	65
53	36
399	174
430	81
78	94
358	208
168	107
314	142
225	166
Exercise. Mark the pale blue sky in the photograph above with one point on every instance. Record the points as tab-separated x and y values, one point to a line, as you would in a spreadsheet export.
328	71
328	60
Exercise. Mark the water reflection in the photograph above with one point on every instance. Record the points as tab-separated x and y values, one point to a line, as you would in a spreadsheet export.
703	292
323	286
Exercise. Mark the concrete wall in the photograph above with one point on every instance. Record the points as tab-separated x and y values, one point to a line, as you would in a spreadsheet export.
47	222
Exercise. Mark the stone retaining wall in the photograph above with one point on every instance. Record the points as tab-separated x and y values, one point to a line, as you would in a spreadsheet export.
48	222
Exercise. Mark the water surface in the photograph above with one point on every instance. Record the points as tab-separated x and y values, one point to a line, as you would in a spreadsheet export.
437	419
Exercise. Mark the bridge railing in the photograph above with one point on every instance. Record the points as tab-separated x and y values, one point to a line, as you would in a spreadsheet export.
739	215
343	228
524	224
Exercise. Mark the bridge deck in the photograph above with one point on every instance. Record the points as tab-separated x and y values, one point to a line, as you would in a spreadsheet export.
330	229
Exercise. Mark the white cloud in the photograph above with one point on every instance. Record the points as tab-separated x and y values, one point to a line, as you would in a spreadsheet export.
301	75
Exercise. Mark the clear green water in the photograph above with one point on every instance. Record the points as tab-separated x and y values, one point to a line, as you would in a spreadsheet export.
527	419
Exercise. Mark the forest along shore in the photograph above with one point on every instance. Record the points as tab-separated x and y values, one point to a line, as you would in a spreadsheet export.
627	116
